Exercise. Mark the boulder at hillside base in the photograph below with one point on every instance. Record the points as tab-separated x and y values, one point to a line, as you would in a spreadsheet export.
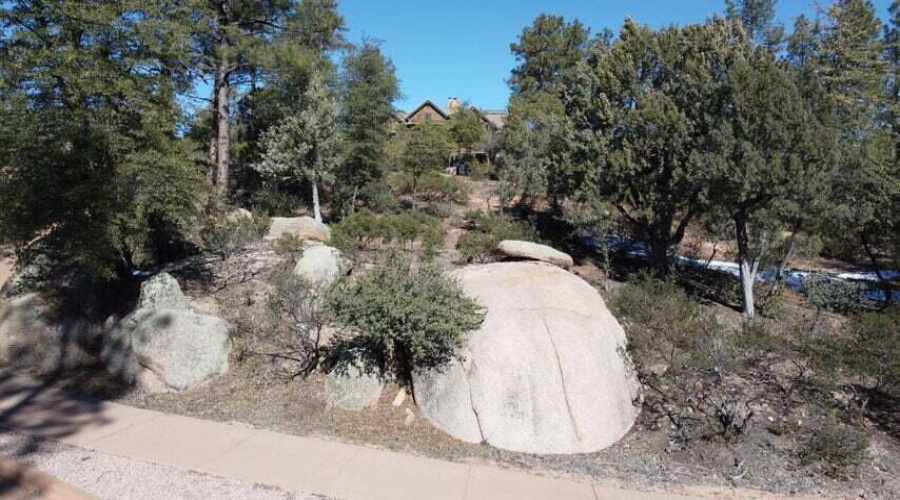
546	373
165	336
319	265
305	228
534	251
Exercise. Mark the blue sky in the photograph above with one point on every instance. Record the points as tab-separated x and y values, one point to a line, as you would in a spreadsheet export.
460	48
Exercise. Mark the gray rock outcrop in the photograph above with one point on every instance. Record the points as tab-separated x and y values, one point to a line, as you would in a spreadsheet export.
534	251
34	337
319	265
353	388
163	335
305	228
546	373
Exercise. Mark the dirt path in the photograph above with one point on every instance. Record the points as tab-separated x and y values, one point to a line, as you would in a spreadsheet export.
116	451
112	477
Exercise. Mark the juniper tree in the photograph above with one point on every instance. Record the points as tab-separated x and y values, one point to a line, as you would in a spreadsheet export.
652	96
426	149
369	88
854	72
758	20
90	158
539	135
303	147
235	43
810	206
770	159
545	51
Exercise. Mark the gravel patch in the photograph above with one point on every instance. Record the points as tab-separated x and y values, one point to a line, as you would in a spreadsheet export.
111	477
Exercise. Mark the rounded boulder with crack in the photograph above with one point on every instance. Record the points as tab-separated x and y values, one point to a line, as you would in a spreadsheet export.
546	373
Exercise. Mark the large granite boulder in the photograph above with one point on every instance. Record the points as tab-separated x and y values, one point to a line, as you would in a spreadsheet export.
319	265
534	251
165	341
353	388
162	292
34	337
546	373
182	348
305	228
239	215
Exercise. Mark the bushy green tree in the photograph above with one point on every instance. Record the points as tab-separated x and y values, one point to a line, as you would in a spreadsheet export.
239	44
539	136
369	88
90	157
649	115
304	146
426	149
854	72
545	51
401	318
467	128
771	157
758	19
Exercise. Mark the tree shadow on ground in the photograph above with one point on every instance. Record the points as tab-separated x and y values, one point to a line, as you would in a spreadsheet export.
883	410
40	411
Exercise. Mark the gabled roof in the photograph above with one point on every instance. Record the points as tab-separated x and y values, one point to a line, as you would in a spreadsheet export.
428	104
497	118
400	116
494	118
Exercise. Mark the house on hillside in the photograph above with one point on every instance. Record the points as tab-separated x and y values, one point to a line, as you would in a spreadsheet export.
429	112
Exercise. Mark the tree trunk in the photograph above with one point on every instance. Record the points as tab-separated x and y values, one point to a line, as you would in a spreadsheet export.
353	199
748	278
885	285
317	210
658	252
748	263
223	129
785	259
213	142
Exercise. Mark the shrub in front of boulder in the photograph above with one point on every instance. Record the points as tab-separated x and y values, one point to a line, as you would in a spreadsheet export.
400	318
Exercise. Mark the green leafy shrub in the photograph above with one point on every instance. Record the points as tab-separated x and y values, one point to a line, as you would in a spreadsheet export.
288	244
834	447
225	232
444	188
873	347
401	318
438	209
432	187
486	231
834	295
366	230
379	198
684	359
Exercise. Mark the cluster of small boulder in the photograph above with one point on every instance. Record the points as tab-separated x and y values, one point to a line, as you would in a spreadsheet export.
546	373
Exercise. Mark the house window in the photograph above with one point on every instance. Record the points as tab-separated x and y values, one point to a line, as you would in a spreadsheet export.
428	116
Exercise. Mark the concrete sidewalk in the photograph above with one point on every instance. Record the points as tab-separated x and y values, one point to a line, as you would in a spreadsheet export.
292	463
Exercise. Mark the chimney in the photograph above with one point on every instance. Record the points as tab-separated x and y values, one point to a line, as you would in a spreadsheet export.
453	105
